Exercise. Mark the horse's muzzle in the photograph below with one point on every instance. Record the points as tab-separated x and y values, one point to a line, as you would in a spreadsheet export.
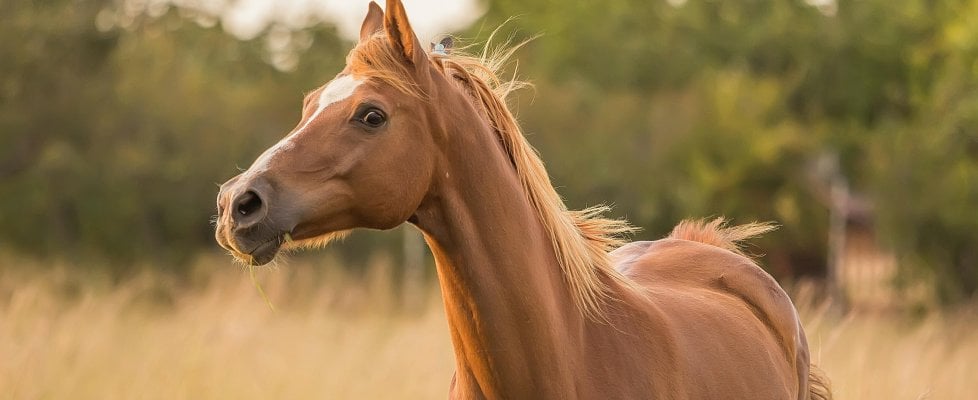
244	226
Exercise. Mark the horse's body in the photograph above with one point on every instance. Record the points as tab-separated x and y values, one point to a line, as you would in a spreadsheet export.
538	304
723	314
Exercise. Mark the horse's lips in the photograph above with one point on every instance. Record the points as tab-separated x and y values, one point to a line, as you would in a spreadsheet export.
265	252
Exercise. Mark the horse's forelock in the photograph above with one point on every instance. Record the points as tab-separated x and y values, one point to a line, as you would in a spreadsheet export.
375	59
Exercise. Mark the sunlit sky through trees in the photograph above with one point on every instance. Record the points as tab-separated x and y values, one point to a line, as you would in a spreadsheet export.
247	18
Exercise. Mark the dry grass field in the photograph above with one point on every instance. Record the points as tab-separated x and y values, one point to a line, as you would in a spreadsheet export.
332	336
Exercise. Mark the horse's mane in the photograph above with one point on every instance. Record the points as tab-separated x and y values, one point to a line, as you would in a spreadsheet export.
581	238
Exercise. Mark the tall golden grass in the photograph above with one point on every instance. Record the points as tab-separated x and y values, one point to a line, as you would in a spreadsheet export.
65	335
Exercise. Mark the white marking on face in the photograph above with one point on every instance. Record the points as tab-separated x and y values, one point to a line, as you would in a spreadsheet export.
335	91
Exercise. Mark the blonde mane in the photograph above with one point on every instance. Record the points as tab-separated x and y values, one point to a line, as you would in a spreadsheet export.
581	238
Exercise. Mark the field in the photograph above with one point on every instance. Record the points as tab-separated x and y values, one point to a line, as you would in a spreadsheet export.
336	336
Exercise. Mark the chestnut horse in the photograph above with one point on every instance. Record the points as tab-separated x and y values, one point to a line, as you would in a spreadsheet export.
542	302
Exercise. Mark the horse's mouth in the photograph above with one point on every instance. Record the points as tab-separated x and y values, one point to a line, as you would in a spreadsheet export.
265	252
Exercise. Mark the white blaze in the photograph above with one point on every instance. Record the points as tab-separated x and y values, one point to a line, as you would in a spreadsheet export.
335	91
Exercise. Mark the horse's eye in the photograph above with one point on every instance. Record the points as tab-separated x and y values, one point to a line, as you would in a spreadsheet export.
372	118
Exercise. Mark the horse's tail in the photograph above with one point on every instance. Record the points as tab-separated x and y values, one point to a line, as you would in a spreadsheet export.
818	384
719	234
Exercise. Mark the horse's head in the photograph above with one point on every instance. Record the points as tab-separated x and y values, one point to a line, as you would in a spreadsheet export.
362	155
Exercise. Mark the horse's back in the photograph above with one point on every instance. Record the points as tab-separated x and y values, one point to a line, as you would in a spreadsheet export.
734	324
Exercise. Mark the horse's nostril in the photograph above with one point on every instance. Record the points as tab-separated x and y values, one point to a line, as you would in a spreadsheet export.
248	203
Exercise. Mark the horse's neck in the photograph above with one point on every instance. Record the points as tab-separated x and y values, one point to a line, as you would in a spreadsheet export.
514	327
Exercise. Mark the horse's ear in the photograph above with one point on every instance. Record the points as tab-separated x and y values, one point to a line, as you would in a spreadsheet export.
373	23
400	34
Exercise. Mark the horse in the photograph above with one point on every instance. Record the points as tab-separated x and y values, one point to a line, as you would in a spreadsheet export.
542	302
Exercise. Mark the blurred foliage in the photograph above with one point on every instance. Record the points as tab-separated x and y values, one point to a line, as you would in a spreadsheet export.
115	127
676	109
114	140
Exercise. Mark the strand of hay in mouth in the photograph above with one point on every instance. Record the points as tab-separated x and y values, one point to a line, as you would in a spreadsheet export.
287	238
261	292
